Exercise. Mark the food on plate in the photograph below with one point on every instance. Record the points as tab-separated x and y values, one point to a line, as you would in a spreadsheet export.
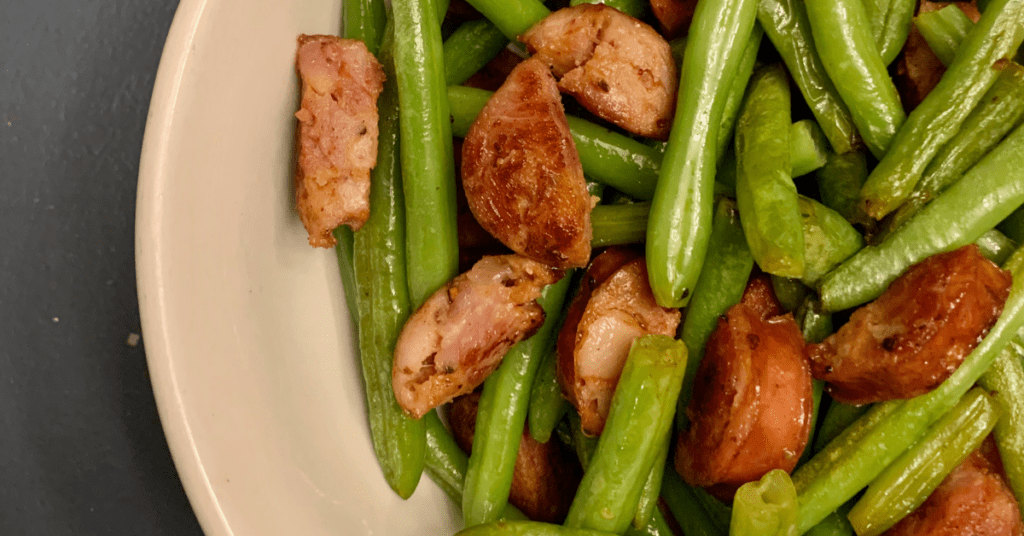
337	134
674	16
459	335
613	307
917	333
616	66
522	175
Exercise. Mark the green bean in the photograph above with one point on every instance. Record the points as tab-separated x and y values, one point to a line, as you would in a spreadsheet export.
982	5
651	491
766	507
934	122
815	324
848	468
828	239
850	56
547	405
817	390
658	526
985	195
890	24
995	246
1013	226
527	528
720	286
584	445
364	20
765	193
685	507
808	147
427	158
640	416
944	30
835	524
346	256
446	464
790	292
737	90
383	300
840	181
999	111
469	48
786	25
907	482
512	17
501	415
619	224
1005	379
718	512
465	104
837	418
677	235
633	8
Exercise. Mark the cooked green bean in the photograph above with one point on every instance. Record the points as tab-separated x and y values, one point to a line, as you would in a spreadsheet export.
790	292
842	35
786	25
720	286
934	121
987	194
765	193
346	256
685	507
651	491
677	235
633	8
849	466
469	48
1005	379
999	111
364	20
766	507
835	524
808	147
737	90
619	224
828	239
527	528
1013	226
512	17
815	324
837	418
817	392
840	181
427	160
890	24
995	246
907	482
501	415
944	30
383	300
547	405
846	441
640	416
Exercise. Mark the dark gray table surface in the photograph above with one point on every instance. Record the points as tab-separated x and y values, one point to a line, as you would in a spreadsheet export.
81	448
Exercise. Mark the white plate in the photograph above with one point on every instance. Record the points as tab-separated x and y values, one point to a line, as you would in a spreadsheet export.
250	346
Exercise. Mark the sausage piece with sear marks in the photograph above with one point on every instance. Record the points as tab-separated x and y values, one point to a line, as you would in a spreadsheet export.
522	175
917	333
752	404
461	333
616	66
615	306
337	134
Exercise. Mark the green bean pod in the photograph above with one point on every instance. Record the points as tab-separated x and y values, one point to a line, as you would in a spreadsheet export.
790	292
651	491
677	235
890	25
469	48
446	464
619	224
987	194
840	181
527	528
658	526
809	148
685	507
908	481
633	8
1013	226
512	17
837	418
786	25
727	268
501	415
815	324
996	246
835	524
364	20
766	507
944	30
842	35
383	301
828	239
1005	379
765	193
846	469
737	90
547	405
640	416
817	393
428	163
344	250
935	121
999	111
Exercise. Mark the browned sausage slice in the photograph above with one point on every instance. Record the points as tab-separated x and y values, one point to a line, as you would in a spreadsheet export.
522	174
616	66
674	16
461	333
917	333
337	134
